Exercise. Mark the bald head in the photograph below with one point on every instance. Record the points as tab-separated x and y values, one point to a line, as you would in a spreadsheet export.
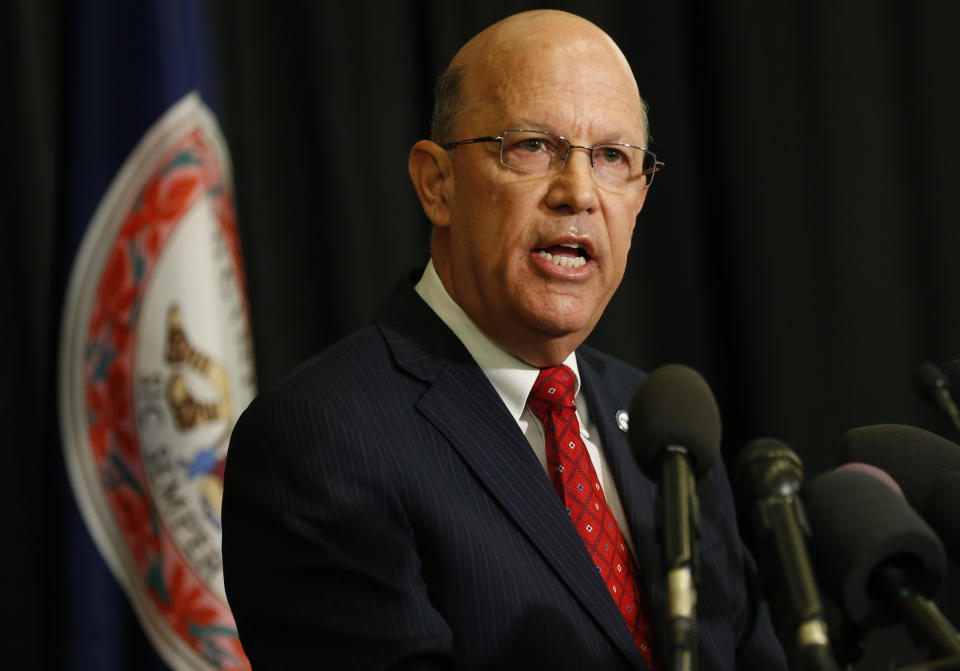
494	63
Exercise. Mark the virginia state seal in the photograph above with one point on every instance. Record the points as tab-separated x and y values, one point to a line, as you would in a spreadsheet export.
155	367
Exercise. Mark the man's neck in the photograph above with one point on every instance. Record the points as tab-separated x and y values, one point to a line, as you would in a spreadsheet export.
535	348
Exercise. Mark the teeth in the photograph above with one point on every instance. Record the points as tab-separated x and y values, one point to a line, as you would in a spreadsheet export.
571	245
565	261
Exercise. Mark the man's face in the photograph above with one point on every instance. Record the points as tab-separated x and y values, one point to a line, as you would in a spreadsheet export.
509	231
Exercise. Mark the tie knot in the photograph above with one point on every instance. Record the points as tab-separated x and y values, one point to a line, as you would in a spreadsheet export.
554	388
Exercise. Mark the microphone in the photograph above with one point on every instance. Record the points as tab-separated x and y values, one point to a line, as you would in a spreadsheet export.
878	473
770	474
877	557
934	387
925	465
952	371
675	437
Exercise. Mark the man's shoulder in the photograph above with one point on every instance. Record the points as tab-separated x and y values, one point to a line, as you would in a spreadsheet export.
355	363
375	355
343	391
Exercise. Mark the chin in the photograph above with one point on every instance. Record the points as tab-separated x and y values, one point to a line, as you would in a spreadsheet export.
565	314
560	326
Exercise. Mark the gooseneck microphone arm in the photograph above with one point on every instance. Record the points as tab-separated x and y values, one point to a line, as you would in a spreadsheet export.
921	617
782	517
680	531
770	474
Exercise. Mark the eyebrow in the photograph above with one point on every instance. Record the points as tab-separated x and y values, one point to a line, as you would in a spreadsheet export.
529	124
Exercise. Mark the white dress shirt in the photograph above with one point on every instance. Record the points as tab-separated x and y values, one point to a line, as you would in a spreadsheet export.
513	379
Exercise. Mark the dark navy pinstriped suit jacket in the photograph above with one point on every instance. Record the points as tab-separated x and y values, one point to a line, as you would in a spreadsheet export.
383	510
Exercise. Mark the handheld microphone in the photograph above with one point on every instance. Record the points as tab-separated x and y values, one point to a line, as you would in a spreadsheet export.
933	385
952	370
925	465
675	437
768	475
877	557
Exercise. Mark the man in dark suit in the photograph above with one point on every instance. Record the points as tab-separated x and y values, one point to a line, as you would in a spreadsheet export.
450	488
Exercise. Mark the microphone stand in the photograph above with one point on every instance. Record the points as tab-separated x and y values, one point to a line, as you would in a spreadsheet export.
681	531
921	617
772	474
783	518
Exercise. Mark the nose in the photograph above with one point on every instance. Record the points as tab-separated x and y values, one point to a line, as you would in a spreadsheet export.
574	188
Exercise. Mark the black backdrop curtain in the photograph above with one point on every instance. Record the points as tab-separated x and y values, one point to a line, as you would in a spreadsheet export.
798	250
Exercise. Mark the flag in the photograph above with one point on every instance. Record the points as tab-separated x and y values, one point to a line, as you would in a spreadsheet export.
155	360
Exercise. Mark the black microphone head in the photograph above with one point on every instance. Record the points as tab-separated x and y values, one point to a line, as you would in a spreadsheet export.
942	511
952	370
914	457
927	379
674	406
767	467
858	524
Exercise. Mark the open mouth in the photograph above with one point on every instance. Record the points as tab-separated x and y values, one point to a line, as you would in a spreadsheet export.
566	254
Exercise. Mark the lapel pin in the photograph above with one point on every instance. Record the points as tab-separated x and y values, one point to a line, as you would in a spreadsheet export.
623	420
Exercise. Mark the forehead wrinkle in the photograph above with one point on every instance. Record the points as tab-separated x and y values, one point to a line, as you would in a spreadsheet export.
558	107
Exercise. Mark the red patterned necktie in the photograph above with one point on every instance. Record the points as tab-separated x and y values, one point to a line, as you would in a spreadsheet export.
575	479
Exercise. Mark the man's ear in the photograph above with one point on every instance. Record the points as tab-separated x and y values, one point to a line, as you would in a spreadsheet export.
432	175
641	199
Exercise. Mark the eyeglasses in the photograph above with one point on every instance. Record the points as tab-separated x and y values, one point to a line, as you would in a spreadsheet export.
540	153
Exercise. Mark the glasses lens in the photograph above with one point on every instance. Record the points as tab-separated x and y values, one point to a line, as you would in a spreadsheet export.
617	164
622	164
536	153
539	153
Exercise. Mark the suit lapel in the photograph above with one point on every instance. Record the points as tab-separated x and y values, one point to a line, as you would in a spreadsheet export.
462	404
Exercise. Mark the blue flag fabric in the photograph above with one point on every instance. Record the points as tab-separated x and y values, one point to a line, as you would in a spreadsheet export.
125	64
155	356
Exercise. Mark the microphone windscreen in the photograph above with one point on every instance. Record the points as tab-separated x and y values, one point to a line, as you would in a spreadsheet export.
913	457
857	524
943	513
927	378
674	406
878	473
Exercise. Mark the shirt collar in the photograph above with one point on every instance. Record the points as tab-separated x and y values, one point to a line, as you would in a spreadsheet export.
511	378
